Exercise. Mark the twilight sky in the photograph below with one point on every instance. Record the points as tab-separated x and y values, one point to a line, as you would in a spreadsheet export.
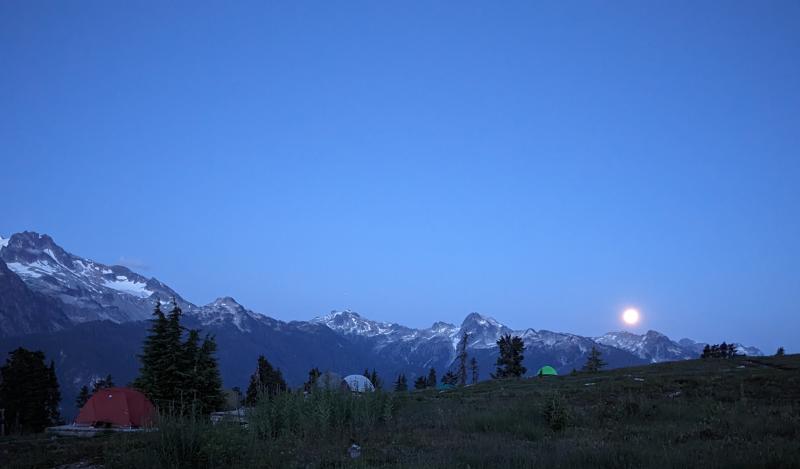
544	163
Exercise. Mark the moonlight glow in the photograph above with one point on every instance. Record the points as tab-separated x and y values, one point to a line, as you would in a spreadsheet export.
630	316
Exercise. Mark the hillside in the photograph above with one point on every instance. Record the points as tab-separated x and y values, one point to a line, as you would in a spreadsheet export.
77	310
695	413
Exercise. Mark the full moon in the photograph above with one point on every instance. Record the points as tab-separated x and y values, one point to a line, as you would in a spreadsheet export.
630	316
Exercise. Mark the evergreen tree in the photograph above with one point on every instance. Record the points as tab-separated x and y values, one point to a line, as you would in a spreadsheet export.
265	382
473	366
209	382
509	362
432	378
723	350
83	396
103	383
153	358
593	361
189	365
174	361
179	376
781	352
313	377
29	392
375	379
450	378
420	383
462	360
401	385
53	394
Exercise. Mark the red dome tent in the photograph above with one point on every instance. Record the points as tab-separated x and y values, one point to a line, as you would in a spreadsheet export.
120	407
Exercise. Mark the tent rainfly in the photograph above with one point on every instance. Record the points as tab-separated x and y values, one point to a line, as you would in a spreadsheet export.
117	407
547	370
358	383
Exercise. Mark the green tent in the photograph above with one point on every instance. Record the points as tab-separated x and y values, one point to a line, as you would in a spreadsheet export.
547	370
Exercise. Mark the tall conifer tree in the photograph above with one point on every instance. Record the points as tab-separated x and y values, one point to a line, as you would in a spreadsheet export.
509	362
210	381
593	361
152	372
265	382
462	360
432	378
29	392
473	366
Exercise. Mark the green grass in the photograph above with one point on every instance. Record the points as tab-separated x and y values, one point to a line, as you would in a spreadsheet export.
715	414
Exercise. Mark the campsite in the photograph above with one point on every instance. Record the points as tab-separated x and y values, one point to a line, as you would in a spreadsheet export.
399	234
698	413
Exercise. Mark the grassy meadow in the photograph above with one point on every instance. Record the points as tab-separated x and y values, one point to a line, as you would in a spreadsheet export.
735	413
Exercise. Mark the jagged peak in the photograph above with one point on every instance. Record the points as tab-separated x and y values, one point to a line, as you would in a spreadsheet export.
480	319
339	316
226	301
439	325
32	237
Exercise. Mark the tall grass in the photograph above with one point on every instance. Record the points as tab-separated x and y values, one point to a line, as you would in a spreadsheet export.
280	431
322	414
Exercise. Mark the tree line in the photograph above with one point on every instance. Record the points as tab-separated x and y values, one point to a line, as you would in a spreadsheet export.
723	350
179	371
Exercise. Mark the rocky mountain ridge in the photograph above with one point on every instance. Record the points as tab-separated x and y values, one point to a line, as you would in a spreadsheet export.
53	300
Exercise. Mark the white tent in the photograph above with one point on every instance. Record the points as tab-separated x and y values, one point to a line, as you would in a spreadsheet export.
359	383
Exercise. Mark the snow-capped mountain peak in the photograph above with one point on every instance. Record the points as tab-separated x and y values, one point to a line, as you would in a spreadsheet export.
227	310
3	242
655	347
481	320
440	327
351	323
89	290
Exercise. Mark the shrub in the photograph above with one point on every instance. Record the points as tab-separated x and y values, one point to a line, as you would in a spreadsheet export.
556	413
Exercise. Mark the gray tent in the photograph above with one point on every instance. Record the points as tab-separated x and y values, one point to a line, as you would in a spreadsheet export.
359	383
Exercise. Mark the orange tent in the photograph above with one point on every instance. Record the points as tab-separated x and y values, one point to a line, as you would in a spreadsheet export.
120	407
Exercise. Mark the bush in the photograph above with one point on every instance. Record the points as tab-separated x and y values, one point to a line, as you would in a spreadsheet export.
556	413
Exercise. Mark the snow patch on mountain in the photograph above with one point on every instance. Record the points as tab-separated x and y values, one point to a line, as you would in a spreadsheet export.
124	285
351	323
227	310
89	290
651	346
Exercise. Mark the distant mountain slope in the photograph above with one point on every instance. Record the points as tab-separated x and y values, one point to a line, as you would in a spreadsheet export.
655	347
23	311
89	290
652	346
89	317
91	350
418	349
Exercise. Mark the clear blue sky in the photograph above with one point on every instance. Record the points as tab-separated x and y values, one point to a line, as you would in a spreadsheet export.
546	163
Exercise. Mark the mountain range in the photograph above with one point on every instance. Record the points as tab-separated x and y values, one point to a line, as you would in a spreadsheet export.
91	319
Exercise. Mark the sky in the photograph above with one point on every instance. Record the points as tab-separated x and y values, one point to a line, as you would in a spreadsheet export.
544	163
